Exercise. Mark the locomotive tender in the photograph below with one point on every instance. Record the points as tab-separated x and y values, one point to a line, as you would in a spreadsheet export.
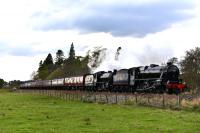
153	78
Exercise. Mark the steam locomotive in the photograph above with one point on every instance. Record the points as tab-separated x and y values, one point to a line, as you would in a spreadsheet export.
152	78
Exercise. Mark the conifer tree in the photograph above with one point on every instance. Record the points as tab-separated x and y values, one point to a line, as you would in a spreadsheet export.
59	57
46	67
48	60
72	52
40	64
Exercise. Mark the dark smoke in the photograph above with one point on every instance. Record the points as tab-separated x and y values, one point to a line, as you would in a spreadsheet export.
117	53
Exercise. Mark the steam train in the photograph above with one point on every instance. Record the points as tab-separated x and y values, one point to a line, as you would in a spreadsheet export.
153	78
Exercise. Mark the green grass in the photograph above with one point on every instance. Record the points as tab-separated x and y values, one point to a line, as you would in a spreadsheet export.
26	113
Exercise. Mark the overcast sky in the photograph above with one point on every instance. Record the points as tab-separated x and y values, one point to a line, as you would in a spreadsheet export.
149	31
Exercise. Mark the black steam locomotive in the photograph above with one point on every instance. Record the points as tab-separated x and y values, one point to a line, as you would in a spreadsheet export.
153	78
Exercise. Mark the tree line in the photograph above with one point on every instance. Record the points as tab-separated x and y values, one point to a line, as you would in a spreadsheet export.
62	67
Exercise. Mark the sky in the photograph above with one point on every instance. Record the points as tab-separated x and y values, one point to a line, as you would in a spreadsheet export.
148	31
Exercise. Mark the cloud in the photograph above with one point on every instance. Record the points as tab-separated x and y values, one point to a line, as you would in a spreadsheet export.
23	51
2	47
119	18
18	51
152	55
18	67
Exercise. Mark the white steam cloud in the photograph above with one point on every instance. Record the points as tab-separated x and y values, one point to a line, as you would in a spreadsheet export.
130	58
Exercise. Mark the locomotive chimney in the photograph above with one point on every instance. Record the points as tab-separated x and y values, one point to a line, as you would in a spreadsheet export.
169	63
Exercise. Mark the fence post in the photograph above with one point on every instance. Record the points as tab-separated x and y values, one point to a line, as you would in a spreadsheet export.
106	98
81	97
116	98
60	95
163	99
100	97
125	98
136	100
178	100
95	98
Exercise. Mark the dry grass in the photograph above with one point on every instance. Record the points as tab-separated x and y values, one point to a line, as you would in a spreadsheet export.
194	104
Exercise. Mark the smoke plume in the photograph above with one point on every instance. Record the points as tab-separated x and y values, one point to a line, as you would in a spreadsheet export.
96	57
103	59
117	53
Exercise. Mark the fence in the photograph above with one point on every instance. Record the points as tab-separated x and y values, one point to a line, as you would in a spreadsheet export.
155	100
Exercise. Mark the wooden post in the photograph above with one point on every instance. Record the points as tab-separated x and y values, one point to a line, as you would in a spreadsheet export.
81	97
136	100
126	98
163	99
178	101
100	97
106	98
95	98
116	100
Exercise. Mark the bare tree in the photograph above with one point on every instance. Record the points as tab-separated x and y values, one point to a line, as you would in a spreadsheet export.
190	67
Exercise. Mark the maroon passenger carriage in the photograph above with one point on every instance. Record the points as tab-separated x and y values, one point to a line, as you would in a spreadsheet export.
74	83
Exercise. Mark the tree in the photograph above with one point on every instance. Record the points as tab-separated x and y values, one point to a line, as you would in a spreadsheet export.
40	64
45	68
14	83
59	57
173	60
34	75
190	68
72	52
48	60
2	83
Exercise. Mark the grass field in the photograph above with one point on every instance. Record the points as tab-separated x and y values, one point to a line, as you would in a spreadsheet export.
26	113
